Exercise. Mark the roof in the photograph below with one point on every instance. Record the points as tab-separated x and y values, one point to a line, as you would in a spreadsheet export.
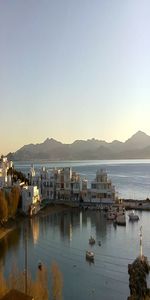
16	295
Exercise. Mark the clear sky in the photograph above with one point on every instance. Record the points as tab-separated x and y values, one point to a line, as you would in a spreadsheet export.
73	69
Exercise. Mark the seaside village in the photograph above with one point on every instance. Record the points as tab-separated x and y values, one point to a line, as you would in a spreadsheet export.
41	187
64	185
59	185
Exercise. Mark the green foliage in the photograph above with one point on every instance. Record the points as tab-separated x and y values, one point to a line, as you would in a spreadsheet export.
17	175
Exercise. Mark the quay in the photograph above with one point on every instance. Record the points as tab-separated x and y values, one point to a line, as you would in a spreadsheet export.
128	204
136	204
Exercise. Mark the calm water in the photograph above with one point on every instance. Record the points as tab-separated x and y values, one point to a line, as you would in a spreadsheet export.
63	237
130	177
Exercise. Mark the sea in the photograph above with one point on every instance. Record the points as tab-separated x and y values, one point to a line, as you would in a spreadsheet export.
63	236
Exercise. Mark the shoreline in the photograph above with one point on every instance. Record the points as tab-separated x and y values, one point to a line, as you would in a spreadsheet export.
60	207
11	225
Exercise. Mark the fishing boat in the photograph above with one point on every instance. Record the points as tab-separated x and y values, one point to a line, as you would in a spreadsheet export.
91	241
121	219
111	215
133	217
89	255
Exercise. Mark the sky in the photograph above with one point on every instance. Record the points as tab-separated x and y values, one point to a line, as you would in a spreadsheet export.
73	70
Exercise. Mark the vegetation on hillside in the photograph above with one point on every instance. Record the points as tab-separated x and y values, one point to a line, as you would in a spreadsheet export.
9	201
17	175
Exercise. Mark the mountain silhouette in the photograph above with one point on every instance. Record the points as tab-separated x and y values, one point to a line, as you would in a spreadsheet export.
137	146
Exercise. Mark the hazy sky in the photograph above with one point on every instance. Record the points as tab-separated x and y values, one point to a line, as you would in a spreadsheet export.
73	69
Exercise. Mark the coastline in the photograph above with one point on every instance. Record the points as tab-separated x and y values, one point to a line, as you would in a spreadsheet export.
49	209
60	207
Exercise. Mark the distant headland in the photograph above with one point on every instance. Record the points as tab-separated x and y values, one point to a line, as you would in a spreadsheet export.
136	147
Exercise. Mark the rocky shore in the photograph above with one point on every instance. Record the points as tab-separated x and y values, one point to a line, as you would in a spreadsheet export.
138	272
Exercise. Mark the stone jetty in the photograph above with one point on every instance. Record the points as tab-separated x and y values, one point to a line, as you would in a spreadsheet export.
138	272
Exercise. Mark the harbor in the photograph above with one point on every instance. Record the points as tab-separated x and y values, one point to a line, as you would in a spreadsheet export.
93	236
64	237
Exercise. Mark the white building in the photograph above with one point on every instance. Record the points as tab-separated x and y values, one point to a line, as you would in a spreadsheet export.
65	184
30	199
102	190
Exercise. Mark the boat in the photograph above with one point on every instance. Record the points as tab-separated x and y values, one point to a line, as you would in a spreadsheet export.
91	241
99	243
111	215
121	219
133	217
89	255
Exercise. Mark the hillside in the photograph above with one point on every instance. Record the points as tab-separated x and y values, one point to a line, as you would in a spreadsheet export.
137	146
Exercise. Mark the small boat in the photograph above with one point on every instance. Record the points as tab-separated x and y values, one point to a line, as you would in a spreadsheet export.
91	241
111	216
99	243
133	217
89	255
121	219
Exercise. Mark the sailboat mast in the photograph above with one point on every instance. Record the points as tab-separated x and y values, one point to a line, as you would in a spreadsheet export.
141	246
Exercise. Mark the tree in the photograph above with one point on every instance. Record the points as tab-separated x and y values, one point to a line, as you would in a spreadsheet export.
3	208
12	198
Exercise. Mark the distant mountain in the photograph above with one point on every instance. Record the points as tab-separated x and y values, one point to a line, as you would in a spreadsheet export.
139	140
137	146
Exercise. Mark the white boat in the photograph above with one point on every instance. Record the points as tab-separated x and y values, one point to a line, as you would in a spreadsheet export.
133	217
89	255
121	219
91	241
111	215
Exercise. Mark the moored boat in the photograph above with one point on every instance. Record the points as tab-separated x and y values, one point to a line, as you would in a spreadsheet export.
121	219
111	216
91	241
89	255
133	217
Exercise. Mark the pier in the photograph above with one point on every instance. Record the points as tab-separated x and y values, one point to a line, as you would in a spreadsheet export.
136	204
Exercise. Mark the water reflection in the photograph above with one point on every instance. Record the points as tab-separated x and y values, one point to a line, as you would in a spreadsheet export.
9	243
64	237
34	222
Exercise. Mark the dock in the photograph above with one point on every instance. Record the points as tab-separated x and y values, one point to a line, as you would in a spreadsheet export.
136	204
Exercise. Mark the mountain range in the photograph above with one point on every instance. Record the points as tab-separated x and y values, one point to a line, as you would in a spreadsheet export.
137	146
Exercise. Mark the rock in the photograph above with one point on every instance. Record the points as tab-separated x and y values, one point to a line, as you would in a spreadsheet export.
138	272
